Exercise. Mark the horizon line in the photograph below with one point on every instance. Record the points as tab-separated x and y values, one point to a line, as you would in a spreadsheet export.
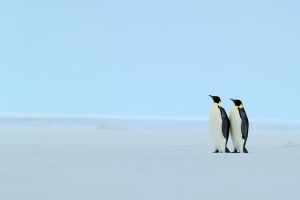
129	117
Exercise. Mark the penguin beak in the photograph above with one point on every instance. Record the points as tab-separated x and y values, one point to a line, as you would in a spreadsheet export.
211	96
232	100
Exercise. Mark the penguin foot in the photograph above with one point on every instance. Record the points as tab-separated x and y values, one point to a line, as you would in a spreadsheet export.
234	151
227	150
216	151
245	150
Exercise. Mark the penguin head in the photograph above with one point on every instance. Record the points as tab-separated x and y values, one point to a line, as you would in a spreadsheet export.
237	102
216	99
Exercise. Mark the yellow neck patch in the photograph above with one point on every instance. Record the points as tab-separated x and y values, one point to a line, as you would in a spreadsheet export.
220	103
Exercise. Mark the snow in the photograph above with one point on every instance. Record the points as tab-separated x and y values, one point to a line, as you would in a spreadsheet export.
132	158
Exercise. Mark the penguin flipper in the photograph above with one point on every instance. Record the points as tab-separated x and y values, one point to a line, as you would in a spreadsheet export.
245	123
225	123
245	150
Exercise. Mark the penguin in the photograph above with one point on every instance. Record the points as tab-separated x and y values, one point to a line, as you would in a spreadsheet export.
219	126
239	126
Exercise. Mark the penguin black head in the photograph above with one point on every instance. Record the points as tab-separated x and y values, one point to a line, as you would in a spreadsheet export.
216	99
237	102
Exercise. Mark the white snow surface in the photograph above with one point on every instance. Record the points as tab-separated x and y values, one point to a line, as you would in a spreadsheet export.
143	159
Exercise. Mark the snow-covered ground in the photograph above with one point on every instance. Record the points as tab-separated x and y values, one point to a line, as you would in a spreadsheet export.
139	159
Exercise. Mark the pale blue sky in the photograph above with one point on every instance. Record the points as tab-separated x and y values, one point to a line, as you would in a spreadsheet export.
150	58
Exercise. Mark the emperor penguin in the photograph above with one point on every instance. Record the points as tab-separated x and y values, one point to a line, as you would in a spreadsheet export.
239	126
219	126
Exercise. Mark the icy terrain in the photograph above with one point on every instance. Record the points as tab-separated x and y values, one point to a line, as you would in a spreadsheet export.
143	159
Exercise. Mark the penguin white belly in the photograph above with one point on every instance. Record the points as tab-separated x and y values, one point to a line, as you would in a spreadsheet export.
216	130
235	130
